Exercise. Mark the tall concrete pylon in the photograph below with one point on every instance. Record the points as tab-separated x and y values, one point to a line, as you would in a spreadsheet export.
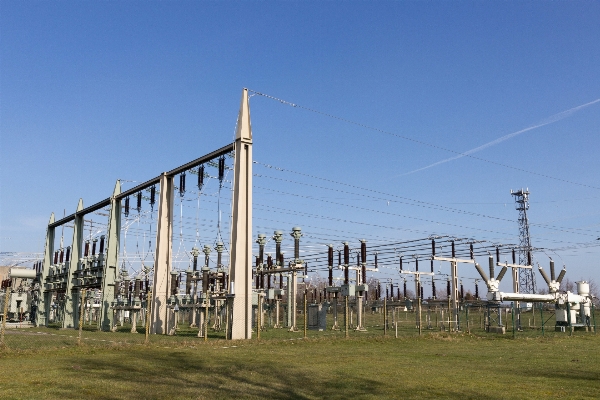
71	308
162	264
45	296
112	259
240	276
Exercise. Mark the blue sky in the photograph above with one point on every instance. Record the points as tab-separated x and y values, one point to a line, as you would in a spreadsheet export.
95	91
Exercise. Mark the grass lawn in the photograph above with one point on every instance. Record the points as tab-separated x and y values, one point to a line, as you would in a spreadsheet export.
434	365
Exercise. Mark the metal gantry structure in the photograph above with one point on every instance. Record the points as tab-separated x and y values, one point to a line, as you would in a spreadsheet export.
66	273
244	287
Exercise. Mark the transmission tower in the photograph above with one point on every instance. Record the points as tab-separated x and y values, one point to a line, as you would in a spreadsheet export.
526	276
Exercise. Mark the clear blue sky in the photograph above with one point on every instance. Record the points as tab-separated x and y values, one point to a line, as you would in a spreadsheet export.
95	91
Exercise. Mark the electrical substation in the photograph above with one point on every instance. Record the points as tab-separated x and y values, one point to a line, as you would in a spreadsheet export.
178	250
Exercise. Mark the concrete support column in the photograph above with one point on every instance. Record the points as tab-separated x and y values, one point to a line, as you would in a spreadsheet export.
72	297
111	261
162	265
240	275
45	297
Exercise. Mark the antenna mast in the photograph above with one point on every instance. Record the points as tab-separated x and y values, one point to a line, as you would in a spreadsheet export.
526	276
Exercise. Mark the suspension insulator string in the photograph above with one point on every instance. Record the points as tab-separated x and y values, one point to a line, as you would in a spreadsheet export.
221	170
200	177
182	184
127	206
152	197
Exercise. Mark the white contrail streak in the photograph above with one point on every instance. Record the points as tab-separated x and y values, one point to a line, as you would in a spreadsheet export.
547	121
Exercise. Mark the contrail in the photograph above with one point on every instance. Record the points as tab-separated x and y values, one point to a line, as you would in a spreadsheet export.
554	118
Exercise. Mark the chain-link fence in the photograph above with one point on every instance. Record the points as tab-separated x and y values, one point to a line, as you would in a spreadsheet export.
275	319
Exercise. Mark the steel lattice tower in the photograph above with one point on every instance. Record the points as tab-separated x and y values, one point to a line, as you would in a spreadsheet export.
526	276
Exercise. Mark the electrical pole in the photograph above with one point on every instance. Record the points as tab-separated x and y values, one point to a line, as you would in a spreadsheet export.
526	276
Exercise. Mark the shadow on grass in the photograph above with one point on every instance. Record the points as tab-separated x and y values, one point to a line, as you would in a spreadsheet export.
182	374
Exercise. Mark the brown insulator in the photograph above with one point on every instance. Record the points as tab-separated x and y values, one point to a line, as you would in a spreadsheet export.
528	257
138	287
68	255
139	202
497	254
448	288
453	250
200	177
398	292
433	295
392	291
339	257
188	282
173	284
476	291
462	292
101	251
281	260
363	251
86	248
61	255
127	206
280	281
152	197
417	264
221	170
346	254
514	256
94	246
421	291
471	252
182	184
269	262
405	296
387	292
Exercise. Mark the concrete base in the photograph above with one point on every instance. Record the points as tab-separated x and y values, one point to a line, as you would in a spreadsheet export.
497	329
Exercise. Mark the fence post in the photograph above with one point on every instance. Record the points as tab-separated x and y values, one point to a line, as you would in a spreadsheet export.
258	315
542	316
594	317
148	305
385	316
305	316
569	318
2	344
346	315
81	311
512	314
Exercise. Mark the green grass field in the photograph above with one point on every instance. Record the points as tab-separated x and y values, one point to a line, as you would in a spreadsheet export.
117	365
